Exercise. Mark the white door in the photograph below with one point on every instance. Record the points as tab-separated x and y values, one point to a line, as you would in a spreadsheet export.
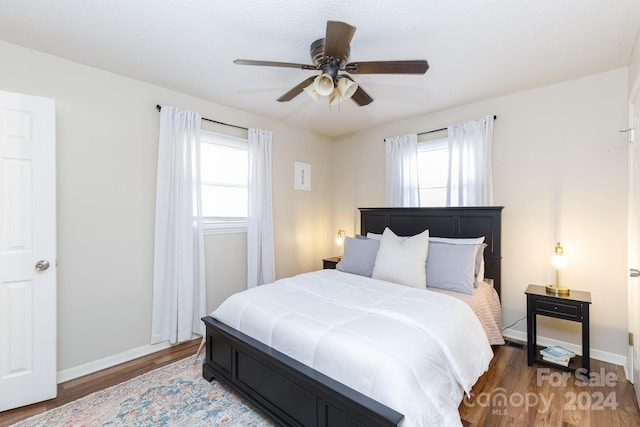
27	245
634	242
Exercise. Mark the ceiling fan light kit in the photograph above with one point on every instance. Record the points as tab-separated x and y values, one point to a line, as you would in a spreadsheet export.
347	87
311	91
323	84
331	55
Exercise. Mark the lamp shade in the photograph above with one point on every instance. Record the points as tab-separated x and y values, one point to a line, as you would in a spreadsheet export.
323	84
311	91
334	97
347	87
559	259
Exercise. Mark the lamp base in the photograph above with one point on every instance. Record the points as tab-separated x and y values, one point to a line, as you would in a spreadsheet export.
557	290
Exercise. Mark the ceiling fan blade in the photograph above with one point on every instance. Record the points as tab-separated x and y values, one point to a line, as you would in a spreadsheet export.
296	90
337	39
361	97
388	67
274	64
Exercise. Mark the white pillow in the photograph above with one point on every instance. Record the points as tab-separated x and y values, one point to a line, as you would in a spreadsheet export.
374	236
402	259
480	245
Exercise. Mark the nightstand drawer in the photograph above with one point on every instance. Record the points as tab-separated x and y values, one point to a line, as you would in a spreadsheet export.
557	309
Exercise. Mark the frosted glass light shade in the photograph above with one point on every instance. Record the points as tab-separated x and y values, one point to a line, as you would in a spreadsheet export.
311	91
559	260
347	87
335	97
323	84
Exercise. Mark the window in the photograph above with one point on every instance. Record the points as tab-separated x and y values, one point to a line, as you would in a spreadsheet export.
224	163
433	169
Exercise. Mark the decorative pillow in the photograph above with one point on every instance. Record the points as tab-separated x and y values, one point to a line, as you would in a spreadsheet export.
359	256
480	264
374	236
480	245
451	266
402	259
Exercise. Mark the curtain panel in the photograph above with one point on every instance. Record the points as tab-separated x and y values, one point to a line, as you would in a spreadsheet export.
402	188
179	299
470	180
260	251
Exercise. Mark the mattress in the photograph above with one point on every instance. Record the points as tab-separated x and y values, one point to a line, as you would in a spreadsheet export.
485	303
413	350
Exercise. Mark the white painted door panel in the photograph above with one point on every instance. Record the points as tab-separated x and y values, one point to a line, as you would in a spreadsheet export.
634	243
27	235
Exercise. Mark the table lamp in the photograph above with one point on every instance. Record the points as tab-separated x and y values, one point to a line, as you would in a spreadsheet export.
559	261
340	240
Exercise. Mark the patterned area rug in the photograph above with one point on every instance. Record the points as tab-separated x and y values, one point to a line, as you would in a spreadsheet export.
174	395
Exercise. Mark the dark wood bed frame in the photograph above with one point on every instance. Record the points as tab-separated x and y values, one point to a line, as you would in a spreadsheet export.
292	393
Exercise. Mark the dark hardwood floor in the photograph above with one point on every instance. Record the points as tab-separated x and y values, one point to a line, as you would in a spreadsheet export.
509	394
83	386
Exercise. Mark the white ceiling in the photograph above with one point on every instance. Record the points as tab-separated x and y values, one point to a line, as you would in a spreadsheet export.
476	49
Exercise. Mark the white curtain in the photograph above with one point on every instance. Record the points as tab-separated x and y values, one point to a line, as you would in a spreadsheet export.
470	180
260	253
178	264
403	189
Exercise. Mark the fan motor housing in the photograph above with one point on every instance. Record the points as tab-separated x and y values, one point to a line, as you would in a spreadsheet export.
319	60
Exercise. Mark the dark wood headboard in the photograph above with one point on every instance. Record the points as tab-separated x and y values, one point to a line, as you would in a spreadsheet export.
443	222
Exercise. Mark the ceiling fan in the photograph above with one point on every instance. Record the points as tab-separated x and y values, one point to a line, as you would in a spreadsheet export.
331	55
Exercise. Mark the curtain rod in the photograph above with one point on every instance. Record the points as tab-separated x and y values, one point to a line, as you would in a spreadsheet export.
159	107
439	130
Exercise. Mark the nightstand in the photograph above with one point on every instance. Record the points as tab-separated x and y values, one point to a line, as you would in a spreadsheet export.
330	263
573	307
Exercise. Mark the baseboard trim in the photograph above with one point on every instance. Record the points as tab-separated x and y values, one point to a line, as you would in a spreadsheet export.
604	356
116	359
108	362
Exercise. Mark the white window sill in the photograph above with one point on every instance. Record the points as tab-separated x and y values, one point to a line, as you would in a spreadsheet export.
225	227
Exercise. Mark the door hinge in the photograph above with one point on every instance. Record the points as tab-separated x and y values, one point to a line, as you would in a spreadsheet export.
631	134
631	339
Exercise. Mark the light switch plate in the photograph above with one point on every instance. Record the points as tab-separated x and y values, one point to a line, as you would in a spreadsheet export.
302	176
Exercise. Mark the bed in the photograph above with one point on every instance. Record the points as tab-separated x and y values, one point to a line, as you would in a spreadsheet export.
302	390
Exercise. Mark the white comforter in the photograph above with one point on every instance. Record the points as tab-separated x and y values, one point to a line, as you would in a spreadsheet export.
414	350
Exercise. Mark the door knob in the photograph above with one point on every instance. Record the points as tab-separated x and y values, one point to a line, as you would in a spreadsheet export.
42	265
634	272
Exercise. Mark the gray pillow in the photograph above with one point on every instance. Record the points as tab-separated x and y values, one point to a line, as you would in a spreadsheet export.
359	256
479	241
450	266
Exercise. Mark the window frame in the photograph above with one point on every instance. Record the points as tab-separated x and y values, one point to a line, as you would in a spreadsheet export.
224	225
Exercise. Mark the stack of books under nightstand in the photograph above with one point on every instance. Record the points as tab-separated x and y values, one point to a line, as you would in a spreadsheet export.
557	354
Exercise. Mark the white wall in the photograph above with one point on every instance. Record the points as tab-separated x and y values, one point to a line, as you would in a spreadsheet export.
560	173
107	133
